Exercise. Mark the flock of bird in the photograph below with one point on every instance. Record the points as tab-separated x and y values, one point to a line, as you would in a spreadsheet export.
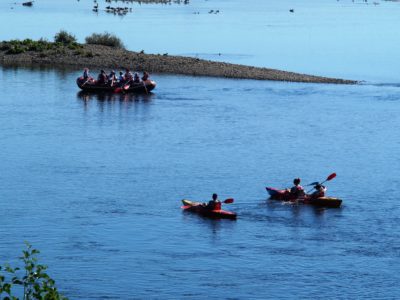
121	11
124	10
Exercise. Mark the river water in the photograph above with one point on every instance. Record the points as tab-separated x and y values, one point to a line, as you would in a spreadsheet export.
95	182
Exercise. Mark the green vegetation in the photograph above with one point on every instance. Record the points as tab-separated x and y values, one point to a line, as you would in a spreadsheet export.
105	39
63	41
18	46
32	280
65	38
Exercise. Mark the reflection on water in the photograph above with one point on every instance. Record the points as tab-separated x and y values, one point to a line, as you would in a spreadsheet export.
87	96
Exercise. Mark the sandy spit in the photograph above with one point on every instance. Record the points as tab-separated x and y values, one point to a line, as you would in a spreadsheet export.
103	57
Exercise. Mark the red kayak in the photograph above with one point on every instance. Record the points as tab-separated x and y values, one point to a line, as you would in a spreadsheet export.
198	207
284	195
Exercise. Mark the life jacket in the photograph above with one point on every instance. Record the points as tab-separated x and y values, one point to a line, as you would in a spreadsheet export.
214	205
318	194
217	206
297	192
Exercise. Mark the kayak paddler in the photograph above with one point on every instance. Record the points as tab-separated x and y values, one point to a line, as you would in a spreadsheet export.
297	191
319	191
213	204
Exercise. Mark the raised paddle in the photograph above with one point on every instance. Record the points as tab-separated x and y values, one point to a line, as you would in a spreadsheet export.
330	177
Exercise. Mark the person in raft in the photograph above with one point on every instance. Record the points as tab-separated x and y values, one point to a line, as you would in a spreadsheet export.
213	204
102	78
136	78
121	77
297	191
320	191
86	75
112	78
145	76
128	75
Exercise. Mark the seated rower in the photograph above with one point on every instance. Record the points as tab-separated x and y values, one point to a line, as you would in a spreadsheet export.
213	204
121	77
145	76
112	77
136	78
297	191
86	75
320	191
102	78
128	75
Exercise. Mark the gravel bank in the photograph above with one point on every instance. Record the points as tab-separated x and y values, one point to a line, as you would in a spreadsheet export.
103	57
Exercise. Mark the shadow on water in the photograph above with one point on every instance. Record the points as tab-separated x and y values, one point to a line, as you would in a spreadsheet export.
62	71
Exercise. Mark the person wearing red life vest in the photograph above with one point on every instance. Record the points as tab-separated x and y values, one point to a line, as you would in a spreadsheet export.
214	204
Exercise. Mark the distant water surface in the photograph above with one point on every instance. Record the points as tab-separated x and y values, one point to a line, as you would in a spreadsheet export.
355	40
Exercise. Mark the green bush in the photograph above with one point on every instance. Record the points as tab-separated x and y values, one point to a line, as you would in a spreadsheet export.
65	38
106	39
32	279
4	46
15	49
17	46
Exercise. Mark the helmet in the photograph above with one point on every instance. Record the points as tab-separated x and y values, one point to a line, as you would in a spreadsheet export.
296	181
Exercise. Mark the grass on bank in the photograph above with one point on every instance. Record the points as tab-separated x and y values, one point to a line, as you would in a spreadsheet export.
63	40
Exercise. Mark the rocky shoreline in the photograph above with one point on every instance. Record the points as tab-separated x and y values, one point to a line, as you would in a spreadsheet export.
104	57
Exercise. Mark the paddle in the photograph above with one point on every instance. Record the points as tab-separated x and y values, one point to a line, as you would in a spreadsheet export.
86	81
228	201
127	85
329	178
145	88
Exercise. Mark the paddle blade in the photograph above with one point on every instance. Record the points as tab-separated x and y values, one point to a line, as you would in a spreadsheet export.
229	200
126	87
330	177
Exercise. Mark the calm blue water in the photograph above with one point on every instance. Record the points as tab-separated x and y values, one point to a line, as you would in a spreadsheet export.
95	182
96	185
